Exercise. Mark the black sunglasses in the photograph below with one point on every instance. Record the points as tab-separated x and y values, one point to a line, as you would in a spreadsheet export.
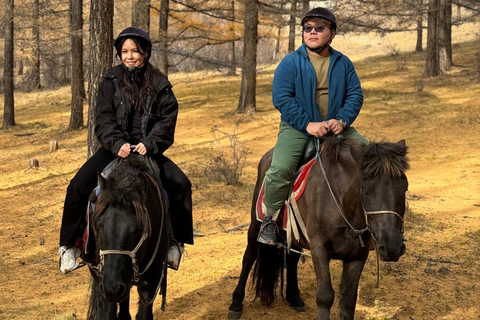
318	29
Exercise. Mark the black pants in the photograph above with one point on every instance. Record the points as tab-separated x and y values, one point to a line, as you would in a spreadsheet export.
175	182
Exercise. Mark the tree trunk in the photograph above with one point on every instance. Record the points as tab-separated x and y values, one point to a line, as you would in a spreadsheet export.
77	80
163	32
141	14
35	75
445	35
246	103
9	103
305	6
233	67
100	58
478	64
419	46
432	65
291	34
305	9
276	52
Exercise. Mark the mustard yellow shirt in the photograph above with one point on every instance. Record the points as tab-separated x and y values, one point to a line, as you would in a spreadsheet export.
320	65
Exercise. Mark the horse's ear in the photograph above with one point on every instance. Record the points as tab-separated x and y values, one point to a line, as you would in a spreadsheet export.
402	143
101	181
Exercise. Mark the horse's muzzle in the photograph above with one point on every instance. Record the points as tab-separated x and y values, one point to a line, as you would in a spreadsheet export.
116	293
391	254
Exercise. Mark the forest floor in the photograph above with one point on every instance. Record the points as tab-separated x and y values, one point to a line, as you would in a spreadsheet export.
437	278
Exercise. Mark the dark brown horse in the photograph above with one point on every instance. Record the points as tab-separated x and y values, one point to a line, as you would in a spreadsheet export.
130	224
355	193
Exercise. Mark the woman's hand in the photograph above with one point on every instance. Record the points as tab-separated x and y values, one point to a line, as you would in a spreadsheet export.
140	148
318	129
124	150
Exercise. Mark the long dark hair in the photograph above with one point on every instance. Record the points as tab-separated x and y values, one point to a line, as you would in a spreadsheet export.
139	84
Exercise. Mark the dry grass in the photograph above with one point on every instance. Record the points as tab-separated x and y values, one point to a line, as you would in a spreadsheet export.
436	279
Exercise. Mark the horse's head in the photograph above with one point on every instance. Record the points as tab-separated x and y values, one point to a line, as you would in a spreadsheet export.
384	185
120	225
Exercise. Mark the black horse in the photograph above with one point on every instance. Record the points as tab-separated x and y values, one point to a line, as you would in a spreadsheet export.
355	193
130	224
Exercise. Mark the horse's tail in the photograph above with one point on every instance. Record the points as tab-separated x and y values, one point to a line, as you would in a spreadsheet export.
268	266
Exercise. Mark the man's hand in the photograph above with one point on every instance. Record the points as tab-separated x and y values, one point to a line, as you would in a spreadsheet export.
318	129
335	126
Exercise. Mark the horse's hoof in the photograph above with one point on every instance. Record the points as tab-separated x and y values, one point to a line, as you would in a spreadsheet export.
234	314
299	308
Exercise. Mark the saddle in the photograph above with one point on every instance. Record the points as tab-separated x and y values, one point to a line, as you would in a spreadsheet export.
153	172
289	218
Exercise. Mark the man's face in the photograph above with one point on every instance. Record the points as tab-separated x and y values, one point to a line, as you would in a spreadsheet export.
315	39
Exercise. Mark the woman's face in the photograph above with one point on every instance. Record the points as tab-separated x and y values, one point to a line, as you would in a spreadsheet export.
131	55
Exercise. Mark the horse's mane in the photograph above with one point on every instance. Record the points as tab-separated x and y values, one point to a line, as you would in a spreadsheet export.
333	145
126	186
385	158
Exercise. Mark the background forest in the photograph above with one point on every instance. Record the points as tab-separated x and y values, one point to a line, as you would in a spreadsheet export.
54	43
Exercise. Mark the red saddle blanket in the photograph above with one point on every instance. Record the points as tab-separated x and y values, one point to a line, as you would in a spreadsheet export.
298	189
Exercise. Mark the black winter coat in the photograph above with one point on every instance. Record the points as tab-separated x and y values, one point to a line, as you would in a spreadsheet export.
112	110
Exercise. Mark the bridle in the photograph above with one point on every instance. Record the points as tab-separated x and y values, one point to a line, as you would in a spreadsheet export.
98	269
367	214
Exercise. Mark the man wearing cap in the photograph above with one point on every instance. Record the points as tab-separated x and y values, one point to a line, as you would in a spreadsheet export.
316	90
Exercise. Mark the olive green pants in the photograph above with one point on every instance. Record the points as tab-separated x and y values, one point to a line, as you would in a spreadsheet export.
286	154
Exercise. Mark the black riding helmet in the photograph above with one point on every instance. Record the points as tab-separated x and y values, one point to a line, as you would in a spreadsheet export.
322	13
134	33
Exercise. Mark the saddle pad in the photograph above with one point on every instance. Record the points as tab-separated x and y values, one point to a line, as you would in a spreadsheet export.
82	242
298	189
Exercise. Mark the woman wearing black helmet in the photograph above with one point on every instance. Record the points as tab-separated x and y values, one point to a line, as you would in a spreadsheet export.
316	90
135	106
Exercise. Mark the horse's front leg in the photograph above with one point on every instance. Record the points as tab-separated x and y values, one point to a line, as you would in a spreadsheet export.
349	288
145	312
293	293
325	293
124	312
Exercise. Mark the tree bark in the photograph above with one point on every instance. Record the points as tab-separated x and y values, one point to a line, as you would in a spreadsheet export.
9	102
233	67
35	75
292	25
77	79
419	46
246	103
163	32
141	14
445	35
432	65
100	58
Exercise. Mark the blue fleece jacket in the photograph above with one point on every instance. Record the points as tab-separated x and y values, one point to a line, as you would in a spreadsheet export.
294	85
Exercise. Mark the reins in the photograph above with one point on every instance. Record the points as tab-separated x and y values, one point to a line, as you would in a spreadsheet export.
358	232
